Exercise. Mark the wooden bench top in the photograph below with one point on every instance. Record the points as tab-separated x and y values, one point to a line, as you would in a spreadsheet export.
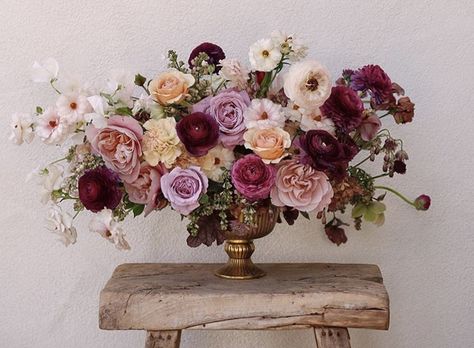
296	295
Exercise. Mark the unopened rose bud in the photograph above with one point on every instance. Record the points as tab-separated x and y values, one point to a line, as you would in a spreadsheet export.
423	202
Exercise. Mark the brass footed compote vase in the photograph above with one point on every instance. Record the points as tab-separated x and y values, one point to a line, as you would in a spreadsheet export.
240	247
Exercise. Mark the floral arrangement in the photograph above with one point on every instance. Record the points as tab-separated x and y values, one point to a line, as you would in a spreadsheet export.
215	140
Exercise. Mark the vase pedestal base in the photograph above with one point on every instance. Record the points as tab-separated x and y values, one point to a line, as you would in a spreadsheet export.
239	265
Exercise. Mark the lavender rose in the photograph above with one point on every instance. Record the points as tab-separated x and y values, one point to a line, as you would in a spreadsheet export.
214	52
119	145
344	108
198	132
227	108
252	178
184	187
98	189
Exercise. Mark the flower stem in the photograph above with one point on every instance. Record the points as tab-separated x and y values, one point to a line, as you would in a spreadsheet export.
58	160
380	176
384	115
364	160
51	82
395	192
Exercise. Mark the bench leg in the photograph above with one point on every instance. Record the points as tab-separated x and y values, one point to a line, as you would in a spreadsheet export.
163	339
332	337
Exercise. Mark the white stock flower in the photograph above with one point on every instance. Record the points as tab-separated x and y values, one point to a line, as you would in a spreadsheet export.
308	84
233	71
21	128
49	179
99	107
52	128
60	223
72	107
104	224
263	113
121	85
264	55
315	120
45	71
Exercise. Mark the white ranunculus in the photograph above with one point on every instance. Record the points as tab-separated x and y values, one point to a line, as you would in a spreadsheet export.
21	128
315	120
263	113
215	161
104	224
308	84
60	223
264	55
45	71
53	128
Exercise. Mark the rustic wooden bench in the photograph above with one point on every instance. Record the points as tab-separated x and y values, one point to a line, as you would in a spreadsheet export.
164	299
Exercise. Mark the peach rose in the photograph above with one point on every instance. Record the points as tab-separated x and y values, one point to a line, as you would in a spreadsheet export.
301	187
119	145
170	87
268	143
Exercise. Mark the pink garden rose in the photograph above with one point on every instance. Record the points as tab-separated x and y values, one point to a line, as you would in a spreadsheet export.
147	188
227	108
184	187
301	187
119	145
252	178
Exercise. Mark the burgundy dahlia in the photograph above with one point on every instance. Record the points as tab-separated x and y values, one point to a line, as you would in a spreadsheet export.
214	52
99	189
372	79
252	178
198	132
344	107
326	153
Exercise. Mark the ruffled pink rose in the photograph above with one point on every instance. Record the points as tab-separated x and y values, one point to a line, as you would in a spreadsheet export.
252	178
184	187
119	145
227	108
301	187
147	188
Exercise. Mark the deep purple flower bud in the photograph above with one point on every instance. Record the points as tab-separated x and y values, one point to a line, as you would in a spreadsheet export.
214	52
423	202
399	167
98	189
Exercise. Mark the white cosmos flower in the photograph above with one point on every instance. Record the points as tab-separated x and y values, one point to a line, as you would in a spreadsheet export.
52	128
232	70
21	128
45	71
263	113
104	224
72	107
313	119
60	223
264	55
308	84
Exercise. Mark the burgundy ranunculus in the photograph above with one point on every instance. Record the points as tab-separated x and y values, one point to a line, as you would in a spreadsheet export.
252	178
344	107
326	153
214	52
98	189
198	132
372	79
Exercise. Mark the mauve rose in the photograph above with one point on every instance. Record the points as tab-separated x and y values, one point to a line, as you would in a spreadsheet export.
227	108
252	178
301	187
214	52
198	132
147	188
344	107
98	189
184	187
118	144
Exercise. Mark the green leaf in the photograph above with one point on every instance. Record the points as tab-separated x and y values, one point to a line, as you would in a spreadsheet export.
204	199
124	111
140	80
39	110
138	209
305	214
